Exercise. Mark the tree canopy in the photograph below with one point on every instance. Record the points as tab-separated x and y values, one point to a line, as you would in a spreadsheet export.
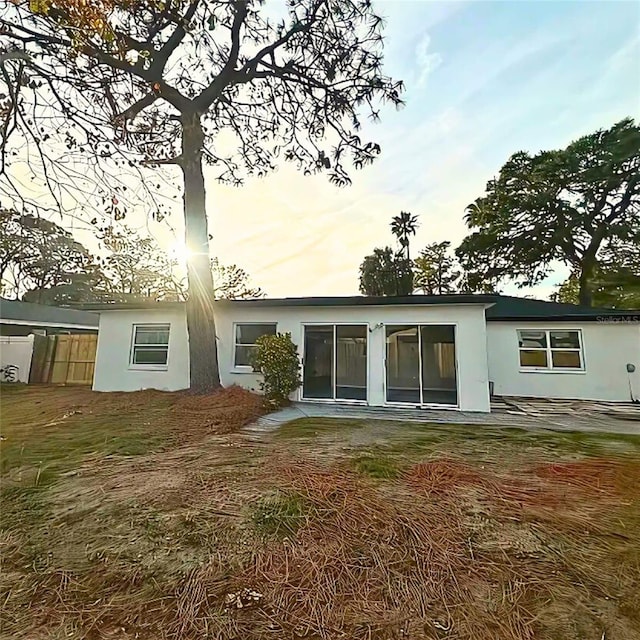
615	283
233	282
568	206
188	82
386	273
136	268
435	270
43	262
403	226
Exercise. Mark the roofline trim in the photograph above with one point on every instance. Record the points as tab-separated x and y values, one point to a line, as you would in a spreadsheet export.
603	318
40	323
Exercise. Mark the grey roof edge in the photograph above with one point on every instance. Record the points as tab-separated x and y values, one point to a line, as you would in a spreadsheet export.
498	307
25	313
609	316
325	301
99	307
357	301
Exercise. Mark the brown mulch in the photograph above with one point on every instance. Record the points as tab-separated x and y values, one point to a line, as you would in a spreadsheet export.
223	411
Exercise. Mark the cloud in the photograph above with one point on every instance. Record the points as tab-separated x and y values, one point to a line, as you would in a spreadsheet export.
427	62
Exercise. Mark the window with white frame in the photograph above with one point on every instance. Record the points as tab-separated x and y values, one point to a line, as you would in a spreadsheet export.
550	349
150	346
246	335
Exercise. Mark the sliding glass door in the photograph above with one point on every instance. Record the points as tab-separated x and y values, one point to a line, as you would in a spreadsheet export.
335	362
421	364
317	372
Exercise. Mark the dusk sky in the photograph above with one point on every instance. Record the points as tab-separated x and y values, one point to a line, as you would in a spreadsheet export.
484	79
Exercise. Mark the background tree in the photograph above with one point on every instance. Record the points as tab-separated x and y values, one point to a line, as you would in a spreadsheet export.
231	282
137	268
567	206
386	273
403	226
42	262
435	270
12	246
164	79
615	283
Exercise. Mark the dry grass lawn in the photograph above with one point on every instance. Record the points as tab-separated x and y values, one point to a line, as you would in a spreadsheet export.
153	516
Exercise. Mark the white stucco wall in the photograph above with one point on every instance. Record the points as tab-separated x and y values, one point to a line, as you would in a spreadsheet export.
114	373
17	351
470	341
113	370
608	348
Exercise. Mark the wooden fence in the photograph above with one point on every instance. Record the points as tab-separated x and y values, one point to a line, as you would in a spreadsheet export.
64	359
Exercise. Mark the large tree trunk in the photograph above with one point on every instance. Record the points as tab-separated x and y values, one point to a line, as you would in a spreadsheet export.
584	280
587	268
203	353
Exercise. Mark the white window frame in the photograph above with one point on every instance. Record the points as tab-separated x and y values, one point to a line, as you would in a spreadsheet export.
550	368
149	367
245	368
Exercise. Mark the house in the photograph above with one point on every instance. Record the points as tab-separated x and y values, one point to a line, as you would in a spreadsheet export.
446	351
19	318
33	337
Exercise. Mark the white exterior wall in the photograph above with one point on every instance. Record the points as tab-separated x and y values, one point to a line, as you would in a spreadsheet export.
607	349
471	355
114	342
17	350
113	370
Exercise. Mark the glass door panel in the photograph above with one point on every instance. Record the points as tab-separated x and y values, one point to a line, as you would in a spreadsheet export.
351	362
438	361
403	364
317	376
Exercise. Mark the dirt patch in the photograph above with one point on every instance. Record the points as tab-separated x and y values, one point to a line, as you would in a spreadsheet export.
217	533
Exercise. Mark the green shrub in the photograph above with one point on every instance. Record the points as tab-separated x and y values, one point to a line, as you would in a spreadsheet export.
276	358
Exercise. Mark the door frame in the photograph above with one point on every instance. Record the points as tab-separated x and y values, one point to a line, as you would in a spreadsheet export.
422	405
303	342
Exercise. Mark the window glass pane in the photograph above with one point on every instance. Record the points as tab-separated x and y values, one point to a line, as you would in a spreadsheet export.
533	358
532	339
438	364
403	364
243	355
351	362
249	333
566	359
145	355
565	339
152	334
317	379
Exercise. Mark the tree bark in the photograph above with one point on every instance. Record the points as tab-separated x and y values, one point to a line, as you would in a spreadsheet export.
584	281
587	267
203	352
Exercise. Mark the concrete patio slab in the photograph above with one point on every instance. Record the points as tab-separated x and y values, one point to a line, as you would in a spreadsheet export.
576	421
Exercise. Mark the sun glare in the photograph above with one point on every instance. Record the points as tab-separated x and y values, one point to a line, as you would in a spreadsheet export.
180	251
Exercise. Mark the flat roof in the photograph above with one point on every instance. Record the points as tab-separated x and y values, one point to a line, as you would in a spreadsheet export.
322	301
42	315
498	307
357	301
515	308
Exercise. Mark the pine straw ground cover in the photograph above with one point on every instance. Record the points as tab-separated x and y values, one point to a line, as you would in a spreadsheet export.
152	516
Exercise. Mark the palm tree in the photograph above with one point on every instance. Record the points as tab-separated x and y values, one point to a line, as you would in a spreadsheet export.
402	227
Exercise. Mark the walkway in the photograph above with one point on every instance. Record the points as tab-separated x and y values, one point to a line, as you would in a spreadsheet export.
546	415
